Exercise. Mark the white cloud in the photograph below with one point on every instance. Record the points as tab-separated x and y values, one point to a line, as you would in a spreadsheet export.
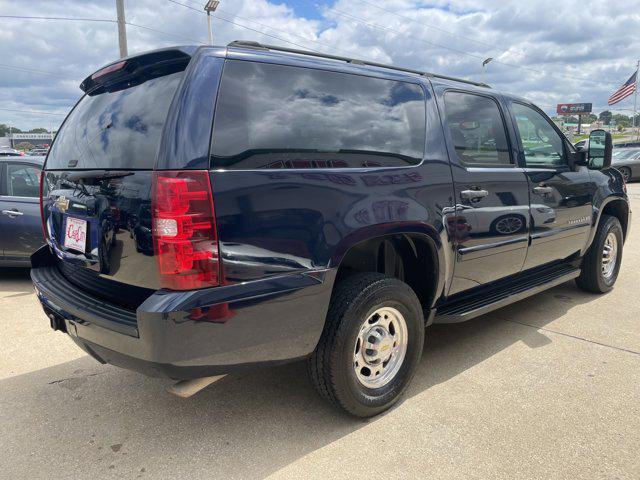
542	49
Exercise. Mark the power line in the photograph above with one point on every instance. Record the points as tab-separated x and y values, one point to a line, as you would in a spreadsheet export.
27	70
463	52
32	111
350	53
163	32
103	20
29	17
244	26
469	39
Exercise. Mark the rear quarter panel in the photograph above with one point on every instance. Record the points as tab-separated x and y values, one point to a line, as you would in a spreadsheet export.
274	222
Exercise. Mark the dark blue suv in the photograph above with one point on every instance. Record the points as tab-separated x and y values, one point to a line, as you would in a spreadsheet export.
208	210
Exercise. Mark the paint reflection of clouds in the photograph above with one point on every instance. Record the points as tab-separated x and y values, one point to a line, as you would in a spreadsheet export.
272	107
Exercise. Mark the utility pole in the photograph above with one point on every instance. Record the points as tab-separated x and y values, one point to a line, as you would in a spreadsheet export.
122	28
209	7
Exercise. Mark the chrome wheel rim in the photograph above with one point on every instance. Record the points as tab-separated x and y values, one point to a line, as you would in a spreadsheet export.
626	174
509	225
609	255
380	347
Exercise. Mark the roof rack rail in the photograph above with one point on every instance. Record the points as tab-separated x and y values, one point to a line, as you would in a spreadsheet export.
261	46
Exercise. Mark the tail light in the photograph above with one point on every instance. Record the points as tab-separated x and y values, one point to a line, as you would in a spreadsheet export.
43	221
184	230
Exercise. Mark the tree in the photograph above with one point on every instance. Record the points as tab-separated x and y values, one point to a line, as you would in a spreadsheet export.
605	117
38	130
4	130
589	118
619	118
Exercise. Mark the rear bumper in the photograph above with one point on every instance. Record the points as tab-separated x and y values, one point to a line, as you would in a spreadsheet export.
198	333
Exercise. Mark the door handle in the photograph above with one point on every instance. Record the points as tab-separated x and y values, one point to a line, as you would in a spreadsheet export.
473	194
12	213
543	190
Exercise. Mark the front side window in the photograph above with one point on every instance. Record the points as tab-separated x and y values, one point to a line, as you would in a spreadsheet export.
276	116
542	145
477	130
23	180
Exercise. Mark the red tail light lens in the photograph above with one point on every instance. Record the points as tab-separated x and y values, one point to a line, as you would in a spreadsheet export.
184	230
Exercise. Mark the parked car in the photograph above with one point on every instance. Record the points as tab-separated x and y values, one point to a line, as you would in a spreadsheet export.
627	161
20	223
298	206
39	152
627	145
10	152
582	144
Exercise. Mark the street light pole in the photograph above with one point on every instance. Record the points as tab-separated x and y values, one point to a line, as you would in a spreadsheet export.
209	7
484	64
122	28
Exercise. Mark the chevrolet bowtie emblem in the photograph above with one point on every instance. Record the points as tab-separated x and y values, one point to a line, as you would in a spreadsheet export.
62	203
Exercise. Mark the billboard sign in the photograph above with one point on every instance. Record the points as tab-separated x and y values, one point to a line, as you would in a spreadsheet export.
574	108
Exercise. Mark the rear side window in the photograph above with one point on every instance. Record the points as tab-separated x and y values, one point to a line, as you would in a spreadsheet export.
115	129
477	130
275	116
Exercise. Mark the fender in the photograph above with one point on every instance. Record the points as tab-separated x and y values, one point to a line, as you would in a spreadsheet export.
437	240
597	213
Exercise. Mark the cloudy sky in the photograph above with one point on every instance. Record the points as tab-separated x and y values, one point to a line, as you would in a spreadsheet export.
549	51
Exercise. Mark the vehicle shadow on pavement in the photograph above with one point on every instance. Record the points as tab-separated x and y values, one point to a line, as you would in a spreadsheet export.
104	421
16	280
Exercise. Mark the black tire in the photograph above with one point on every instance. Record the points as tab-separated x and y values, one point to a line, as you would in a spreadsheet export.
591	278
331	367
626	174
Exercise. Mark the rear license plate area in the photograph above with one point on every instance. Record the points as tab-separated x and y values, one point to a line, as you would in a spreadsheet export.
75	234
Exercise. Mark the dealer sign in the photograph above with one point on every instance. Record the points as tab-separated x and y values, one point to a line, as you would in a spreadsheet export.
574	108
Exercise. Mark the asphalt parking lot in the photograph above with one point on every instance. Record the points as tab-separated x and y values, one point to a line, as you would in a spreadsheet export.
546	388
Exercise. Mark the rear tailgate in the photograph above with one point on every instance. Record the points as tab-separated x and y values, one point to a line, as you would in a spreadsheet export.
98	178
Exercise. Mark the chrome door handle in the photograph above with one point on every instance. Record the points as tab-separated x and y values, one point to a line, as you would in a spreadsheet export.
473	194
543	190
12	213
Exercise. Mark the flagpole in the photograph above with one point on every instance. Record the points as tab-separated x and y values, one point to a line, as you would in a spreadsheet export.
635	101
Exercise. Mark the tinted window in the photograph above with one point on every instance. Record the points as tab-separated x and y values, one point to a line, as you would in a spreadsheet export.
23	180
543	146
477	130
115	129
274	116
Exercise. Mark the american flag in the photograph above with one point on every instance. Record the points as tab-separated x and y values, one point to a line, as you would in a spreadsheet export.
625	90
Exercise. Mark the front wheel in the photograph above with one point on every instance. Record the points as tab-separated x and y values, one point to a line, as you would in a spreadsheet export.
371	344
601	264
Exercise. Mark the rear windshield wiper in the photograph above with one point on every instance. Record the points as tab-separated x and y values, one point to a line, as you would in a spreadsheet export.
97	174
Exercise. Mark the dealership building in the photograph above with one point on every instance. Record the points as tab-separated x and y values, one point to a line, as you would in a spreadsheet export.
35	139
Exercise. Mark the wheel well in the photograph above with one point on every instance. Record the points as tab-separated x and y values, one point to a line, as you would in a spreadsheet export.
410	258
620	210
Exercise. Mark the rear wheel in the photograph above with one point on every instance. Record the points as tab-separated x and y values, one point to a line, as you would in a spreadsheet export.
601	264
370	346
626	173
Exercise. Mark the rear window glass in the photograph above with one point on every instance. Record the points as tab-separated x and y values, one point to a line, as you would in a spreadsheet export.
275	116
119	129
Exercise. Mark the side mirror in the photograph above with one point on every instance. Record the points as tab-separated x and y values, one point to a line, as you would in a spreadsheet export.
600	150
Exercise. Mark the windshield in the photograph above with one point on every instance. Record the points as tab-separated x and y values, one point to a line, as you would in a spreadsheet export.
117	129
